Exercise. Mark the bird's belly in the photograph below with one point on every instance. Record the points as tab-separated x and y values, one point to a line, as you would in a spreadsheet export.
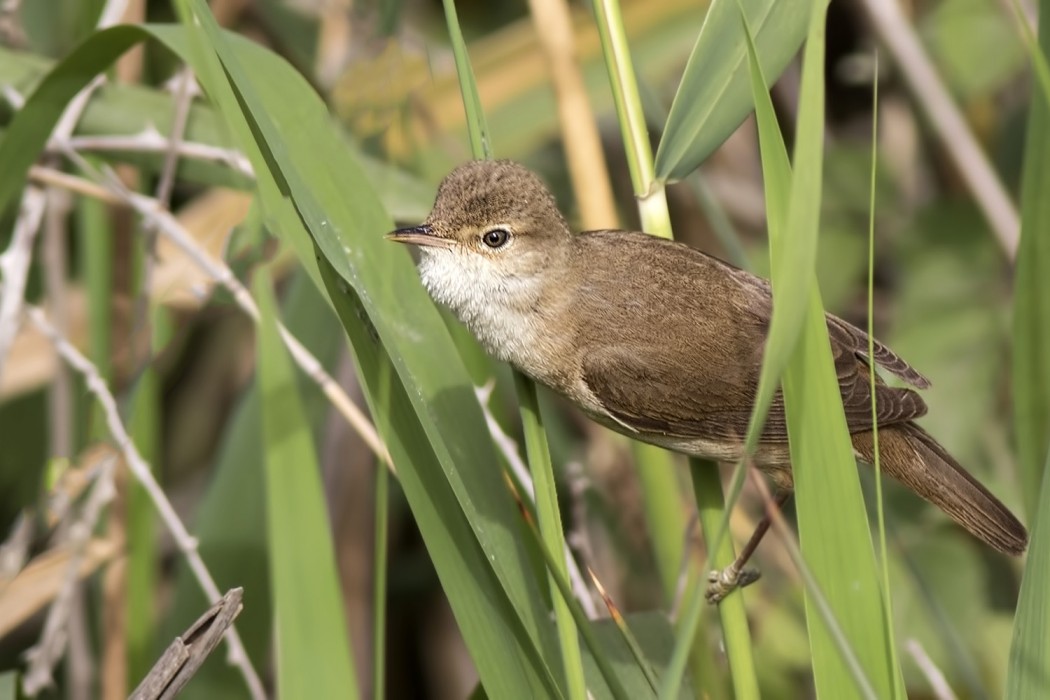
766	457
718	450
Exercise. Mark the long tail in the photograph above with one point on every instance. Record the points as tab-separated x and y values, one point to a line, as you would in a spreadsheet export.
911	456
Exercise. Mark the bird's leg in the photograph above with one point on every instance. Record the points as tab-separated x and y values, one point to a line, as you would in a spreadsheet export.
723	582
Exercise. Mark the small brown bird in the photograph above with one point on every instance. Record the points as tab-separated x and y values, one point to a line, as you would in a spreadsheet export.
659	341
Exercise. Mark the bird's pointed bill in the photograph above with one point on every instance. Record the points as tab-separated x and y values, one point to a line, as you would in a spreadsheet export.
418	235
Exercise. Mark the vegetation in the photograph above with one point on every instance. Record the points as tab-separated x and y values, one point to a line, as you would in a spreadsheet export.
216	373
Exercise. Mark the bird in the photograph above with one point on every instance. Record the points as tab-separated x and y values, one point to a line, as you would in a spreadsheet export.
662	342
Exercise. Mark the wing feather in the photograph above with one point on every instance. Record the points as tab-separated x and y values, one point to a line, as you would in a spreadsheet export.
703	385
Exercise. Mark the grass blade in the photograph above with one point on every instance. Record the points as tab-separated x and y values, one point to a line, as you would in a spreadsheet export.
552	535
1031	332
713	96
711	508
629	113
313	649
655	468
477	131
833	526
379	570
307	177
490	587
884	556
537	449
230	523
1029	671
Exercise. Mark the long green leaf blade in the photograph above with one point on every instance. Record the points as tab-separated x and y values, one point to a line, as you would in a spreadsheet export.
313	651
508	665
1029	672
230	522
296	143
490	589
1031	346
537	449
714	94
833	527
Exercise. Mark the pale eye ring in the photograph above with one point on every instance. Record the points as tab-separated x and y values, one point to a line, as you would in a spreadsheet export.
495	238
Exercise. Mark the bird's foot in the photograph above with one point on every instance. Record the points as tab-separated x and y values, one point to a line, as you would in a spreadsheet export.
722	583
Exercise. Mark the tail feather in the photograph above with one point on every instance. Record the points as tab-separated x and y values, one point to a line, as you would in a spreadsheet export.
911	456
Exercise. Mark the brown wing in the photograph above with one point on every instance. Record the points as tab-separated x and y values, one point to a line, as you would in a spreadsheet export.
647	392
651	393
653	385
892	405
847	336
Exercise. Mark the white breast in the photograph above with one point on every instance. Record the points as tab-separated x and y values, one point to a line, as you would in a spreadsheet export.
497	308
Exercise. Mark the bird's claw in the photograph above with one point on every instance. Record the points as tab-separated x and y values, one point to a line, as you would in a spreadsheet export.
722	583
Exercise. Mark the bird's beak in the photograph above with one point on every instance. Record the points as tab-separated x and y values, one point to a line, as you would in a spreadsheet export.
419	235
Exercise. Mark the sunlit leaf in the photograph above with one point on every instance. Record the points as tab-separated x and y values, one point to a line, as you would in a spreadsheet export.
313	656
714	95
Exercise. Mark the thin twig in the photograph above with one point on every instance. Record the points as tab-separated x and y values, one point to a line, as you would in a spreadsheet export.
787	537
149	140
185	90
67	123
54	259
958	140
14	551
80	663
186	543
935	677
576	538
14	266
46	653
80	668
49	176
14	263
168	225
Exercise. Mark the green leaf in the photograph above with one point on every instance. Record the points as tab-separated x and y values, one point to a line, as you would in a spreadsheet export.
498	642
465	514
28	131
1029	674
1029	670
536	447
122	109
230	522
714	95
654	635
312	648
1031	347
302	163
848	639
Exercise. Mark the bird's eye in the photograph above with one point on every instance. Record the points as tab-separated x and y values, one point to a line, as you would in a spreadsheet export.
496	238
